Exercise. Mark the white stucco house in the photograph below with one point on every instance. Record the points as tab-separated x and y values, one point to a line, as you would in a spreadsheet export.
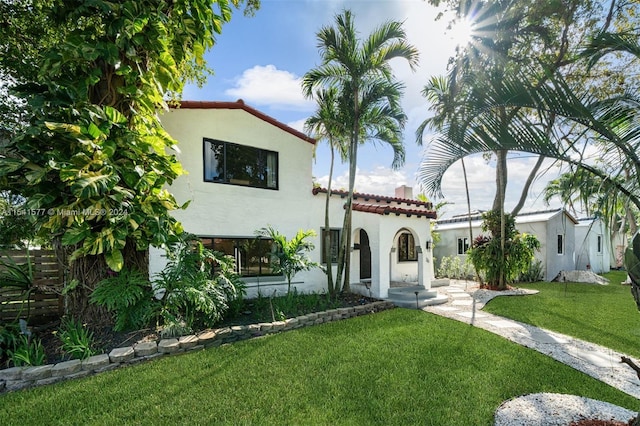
555	230
593	246
247	171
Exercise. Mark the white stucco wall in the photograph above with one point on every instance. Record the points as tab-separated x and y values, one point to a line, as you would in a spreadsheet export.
545	227
586	234
223	210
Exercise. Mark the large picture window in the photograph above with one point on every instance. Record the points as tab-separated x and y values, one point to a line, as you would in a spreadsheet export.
407	248
226	162
252	255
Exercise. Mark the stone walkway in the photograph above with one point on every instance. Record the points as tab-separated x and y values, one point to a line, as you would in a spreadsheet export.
466	302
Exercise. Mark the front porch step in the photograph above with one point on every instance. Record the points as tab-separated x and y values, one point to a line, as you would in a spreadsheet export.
405	297
410	292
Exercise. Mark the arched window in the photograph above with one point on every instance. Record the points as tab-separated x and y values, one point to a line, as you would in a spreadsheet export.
407	248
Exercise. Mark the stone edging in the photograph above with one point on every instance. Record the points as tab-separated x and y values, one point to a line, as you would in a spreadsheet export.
16	378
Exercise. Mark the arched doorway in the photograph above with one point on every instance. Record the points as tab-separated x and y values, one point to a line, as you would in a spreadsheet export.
405	259
365	256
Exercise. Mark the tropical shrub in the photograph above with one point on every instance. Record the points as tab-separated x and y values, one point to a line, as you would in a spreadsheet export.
534	274
77	341
9	335
456	268
273	308
16	276
129	295
290	256
487	255
27	352
196	286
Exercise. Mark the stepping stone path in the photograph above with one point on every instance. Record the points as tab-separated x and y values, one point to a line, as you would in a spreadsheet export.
465	304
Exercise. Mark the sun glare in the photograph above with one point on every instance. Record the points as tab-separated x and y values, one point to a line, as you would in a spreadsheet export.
461	32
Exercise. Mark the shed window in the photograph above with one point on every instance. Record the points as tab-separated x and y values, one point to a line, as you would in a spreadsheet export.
463	245
560	244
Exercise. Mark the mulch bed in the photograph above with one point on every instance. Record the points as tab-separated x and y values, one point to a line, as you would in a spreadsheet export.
106	339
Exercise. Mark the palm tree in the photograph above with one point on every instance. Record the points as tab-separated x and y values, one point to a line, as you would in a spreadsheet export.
289	256
597	197
327	124
361	73
506	34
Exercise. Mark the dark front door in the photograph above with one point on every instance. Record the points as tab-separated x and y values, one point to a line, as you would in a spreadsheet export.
365	256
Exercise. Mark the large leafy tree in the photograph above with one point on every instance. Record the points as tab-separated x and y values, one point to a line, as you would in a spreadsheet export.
509	35
612	122
92	159
360	70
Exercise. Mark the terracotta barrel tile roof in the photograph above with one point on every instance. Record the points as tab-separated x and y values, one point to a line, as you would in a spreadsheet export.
381	204
376	198
386	210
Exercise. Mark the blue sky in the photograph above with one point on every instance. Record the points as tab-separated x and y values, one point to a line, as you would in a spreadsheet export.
261	60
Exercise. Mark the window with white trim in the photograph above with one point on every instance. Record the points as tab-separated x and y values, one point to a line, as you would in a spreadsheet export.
463	245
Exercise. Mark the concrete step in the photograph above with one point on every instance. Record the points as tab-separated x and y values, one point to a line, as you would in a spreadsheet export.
405	297
439	299
410	293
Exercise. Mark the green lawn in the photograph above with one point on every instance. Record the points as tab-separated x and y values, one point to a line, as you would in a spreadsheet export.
606	315
397	367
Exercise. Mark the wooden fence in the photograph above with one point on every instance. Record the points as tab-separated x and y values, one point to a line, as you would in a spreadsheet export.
44	302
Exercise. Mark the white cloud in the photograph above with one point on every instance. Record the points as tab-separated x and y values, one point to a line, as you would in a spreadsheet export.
298	125
267	85
379	181
482	185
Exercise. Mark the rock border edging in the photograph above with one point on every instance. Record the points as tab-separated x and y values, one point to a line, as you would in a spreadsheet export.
17	378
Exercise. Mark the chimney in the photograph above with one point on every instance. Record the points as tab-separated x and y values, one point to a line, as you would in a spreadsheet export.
404	191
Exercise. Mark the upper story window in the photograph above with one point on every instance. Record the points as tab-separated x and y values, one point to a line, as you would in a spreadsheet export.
226	162
406	248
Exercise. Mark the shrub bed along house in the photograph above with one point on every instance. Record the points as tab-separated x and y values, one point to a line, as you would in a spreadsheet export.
16	378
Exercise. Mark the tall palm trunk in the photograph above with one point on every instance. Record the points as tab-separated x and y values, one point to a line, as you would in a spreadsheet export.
466	188
498	204
345	241
327	229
